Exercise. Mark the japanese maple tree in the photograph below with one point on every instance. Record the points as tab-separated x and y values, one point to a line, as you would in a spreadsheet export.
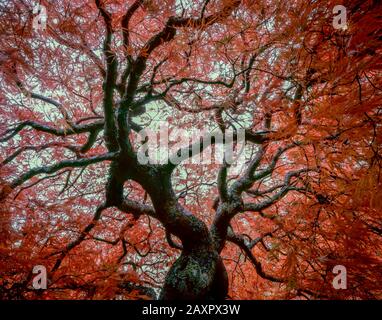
78	90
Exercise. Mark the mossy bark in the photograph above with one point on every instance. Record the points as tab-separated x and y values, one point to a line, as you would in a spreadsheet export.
198	274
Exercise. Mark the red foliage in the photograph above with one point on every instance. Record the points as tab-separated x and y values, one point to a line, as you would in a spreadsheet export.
275	67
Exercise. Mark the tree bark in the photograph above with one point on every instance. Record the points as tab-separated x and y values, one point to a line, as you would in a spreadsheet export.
199	272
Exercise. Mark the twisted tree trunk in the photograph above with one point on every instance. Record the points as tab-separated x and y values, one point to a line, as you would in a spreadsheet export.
199	272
